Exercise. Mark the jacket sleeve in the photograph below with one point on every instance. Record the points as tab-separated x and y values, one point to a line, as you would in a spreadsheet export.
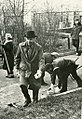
18	58
41	60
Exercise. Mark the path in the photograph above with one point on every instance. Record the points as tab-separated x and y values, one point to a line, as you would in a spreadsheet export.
10	91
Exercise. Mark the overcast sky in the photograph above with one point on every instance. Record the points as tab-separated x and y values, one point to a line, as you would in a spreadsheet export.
56	4
40	5
72	4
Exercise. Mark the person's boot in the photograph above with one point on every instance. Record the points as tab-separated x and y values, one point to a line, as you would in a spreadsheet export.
11	76
26	95
35	96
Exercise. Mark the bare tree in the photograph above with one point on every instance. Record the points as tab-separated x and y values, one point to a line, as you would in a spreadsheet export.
45	25
13	13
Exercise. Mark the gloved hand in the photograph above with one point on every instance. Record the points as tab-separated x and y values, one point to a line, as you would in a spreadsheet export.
53	89
38	74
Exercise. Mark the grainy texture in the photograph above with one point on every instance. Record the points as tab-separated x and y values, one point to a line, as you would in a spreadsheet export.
62	107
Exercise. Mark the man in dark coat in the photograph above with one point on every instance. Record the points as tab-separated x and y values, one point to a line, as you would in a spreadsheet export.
28	61
63	68
8	55
48	57
75	35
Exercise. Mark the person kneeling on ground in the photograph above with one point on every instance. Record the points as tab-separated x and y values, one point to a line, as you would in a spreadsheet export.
63	68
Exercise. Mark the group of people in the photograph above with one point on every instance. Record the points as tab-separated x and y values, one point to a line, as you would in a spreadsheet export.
31	63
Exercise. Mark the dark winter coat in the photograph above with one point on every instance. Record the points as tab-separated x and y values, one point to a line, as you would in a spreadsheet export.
75	35
8	48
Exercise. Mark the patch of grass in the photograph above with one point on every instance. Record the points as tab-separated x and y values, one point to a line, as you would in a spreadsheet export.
61	107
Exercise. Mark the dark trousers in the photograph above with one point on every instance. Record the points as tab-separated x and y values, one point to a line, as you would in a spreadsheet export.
75	43
35	95
42	77
63	81
11	71
77	78
63	75
11	66
26	94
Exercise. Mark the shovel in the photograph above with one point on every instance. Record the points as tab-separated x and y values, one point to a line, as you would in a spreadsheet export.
14	105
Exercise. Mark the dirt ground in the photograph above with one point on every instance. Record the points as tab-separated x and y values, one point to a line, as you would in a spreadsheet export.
49	107
61	107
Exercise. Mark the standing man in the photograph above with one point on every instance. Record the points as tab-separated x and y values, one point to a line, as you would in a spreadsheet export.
28	61
75	35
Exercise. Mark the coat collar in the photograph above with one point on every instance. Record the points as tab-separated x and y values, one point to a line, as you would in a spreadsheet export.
25	44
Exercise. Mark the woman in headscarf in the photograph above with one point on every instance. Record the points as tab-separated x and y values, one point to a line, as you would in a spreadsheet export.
8	55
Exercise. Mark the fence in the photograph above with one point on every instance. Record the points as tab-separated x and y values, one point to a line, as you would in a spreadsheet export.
47	24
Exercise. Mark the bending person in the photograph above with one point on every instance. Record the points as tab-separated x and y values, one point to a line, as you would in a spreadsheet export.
48	57
63	68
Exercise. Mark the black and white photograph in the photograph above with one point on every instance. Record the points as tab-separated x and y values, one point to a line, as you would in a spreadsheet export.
40	59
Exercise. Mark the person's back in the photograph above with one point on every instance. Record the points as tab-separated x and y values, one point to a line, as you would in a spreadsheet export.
64	64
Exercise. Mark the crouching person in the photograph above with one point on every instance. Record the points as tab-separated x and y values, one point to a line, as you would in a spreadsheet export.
63	68
28	60
48	57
